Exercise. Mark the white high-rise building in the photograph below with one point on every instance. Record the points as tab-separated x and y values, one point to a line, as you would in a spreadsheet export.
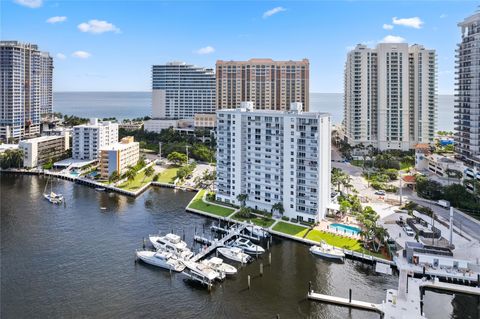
89	139
390	96
467	97
181	90
26	86
275	157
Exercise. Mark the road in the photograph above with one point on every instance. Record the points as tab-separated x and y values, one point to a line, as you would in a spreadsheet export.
464	224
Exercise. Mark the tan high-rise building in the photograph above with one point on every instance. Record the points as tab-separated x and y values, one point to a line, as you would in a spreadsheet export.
390	96
270	85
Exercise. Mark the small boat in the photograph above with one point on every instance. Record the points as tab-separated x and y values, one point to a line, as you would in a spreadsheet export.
100	189
52	197
218	265
173	244
256	231
327	251
247	246
235	254
161	259
204	270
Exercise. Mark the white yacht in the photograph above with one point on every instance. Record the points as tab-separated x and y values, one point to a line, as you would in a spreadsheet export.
235	254
171	243
256	231
218	265
205	271
161	259
327	251
247	246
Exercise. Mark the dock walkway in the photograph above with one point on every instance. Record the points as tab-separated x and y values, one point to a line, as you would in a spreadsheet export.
233	231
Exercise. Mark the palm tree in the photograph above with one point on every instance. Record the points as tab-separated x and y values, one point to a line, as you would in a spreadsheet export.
278	207
130	174
148	172
113	177
242	198
346	182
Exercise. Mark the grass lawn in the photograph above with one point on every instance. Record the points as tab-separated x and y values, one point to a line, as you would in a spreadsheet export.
289	228
168	175
198	204
136	183
259	221
331	239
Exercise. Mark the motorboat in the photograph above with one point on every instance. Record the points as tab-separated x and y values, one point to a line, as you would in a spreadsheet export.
203	270
161	259
218	265
173	244
256	231
327	251
247	246
235	254
100	189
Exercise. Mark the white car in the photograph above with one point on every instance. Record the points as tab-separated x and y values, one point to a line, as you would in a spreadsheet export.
380	192
409	231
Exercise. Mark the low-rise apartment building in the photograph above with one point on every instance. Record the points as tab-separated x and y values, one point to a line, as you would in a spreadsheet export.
39	150
119	156
275	157
89	138
205	120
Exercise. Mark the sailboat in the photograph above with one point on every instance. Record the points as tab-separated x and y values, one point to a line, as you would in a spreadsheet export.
51	196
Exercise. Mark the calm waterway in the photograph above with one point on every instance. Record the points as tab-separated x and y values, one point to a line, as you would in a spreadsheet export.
78	262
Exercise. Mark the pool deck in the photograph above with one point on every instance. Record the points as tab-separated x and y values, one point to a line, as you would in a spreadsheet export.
324	225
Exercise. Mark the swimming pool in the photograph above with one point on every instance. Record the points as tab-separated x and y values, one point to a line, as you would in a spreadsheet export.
346	229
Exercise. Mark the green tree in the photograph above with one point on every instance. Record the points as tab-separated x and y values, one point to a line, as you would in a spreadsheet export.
242	198
130	174
345	207
113	177
148	172
278	207
177	158
11	159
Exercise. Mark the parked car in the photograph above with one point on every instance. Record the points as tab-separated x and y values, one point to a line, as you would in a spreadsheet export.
380	192
408	230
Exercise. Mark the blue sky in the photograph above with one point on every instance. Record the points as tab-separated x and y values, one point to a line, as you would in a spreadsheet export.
110	45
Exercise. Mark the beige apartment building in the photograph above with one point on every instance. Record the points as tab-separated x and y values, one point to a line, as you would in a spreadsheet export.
270	85
390	96
205	120
119	156
39	150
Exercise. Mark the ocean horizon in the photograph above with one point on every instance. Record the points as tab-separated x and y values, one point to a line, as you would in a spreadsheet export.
127	105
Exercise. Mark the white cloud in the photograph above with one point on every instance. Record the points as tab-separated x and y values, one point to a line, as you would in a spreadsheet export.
414	22
30	3
56	19
392	39
387	26
205	50
97	27
443	15
273	11
61	56
81	54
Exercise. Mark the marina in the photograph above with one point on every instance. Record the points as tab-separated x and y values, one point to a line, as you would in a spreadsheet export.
94	256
